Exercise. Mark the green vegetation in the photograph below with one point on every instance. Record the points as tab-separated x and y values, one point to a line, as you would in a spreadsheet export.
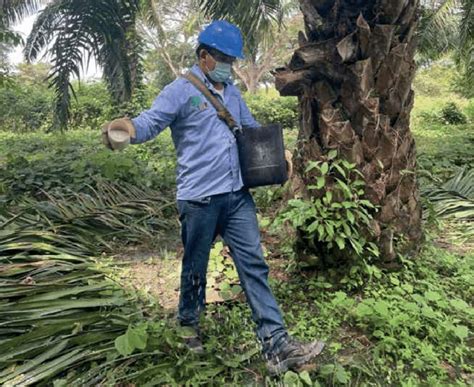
270	108
336	217
71	211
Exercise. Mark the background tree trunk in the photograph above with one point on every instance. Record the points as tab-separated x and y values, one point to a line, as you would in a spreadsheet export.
353	74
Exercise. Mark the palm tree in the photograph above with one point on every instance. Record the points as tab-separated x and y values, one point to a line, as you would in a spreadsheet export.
353	74
75	30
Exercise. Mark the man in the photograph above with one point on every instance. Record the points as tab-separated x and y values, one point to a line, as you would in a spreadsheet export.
211	197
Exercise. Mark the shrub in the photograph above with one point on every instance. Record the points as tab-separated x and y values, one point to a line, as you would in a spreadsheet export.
92	106
25	107
267	110
35	162
435	79
451	114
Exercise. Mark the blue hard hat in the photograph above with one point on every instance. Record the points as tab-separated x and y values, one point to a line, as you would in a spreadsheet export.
223	36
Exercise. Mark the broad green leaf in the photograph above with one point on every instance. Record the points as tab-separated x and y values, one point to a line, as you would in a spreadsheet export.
341	375
236	289
340	243
123	346
332	154
312	165
291	379
329	196
350	216
324	168
327	369
344	187
137	336
134	338
320	182
340	170
461	331
304	376
432	296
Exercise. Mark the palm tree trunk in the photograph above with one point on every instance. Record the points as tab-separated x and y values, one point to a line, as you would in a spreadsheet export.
353	74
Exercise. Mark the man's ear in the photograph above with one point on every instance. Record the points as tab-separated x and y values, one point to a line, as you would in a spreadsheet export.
202	53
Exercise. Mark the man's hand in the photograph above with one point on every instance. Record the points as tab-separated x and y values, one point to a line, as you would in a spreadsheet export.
119	125
289	163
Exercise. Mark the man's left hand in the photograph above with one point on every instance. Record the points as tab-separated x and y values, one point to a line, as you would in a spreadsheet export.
289	163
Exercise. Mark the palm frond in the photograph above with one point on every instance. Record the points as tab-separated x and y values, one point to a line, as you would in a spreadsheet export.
467	23
455	199
439	29
465	55
72	32
86	221
13	11
57	308
60	311
254	17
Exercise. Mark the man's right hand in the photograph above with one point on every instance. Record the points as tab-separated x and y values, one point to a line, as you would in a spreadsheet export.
121	124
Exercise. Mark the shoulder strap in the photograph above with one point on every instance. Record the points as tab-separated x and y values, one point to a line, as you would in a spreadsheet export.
222	111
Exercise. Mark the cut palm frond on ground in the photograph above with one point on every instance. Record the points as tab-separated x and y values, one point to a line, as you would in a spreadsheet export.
111	210
59	310
455	199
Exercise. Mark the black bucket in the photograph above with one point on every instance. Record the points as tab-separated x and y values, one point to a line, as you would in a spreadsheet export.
262	156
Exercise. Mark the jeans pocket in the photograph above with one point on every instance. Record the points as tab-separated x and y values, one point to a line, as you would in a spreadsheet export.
198	203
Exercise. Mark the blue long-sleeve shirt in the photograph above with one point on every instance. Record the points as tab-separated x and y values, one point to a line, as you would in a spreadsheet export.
208	160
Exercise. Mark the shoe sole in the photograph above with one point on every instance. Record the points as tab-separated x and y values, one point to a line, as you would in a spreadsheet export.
291	362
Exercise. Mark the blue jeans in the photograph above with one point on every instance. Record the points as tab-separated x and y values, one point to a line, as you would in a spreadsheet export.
233	216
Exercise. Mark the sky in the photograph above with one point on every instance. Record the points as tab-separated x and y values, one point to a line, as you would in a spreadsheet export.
16	56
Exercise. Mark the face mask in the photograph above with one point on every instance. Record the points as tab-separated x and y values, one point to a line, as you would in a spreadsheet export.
221	72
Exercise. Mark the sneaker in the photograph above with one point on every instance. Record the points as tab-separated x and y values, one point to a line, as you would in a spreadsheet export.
192	338
292	354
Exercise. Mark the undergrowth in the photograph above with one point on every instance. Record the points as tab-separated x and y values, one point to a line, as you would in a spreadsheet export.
411	327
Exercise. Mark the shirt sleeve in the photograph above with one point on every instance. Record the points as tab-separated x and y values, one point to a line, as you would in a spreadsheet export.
162	113
246	118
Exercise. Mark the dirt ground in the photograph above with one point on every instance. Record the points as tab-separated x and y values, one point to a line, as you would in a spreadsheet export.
158	273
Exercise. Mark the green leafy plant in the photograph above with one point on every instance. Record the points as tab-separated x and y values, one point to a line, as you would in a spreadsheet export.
334	213
134	338
223	273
